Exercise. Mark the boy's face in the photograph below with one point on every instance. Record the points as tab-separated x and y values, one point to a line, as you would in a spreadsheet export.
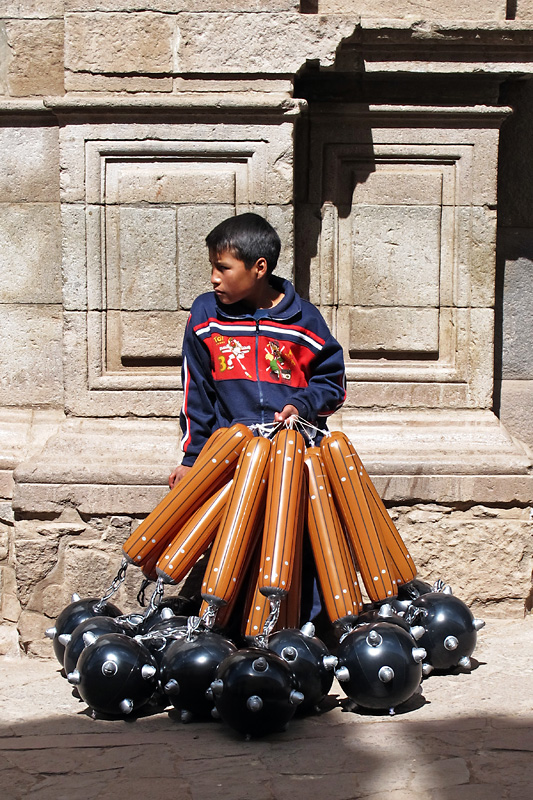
233	281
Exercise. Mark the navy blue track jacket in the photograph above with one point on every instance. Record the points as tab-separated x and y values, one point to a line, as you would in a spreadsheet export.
243	367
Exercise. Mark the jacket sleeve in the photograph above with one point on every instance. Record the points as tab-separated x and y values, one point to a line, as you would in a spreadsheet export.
197	417
326	389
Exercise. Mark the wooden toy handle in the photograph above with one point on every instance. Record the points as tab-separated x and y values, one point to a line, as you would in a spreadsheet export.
211	470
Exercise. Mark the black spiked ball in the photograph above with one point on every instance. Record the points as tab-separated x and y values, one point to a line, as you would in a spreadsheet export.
76	612
188	668
379	665
255	692
115	675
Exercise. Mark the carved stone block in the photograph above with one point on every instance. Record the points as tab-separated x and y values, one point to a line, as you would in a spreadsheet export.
30	253
140	42
31	367
29	165
432	10
36	63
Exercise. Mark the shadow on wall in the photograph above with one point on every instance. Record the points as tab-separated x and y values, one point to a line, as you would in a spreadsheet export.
318	185
514	267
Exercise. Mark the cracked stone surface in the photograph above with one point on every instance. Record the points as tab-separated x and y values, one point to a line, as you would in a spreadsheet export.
468	736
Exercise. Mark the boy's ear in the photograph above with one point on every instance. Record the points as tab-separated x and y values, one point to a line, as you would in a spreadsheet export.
261	266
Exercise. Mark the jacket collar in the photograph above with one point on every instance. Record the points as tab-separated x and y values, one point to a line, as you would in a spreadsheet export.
288	307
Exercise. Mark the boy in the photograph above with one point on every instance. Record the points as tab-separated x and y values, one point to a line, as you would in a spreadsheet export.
253	350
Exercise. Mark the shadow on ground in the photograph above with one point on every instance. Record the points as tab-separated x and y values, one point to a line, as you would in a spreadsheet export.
337	754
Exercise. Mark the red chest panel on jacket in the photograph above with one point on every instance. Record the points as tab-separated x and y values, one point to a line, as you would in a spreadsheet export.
275	361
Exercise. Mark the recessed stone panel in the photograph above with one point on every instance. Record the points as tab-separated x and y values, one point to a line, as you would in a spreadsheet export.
194	223
171	181
145	197
389	185
141	259
396	243
145	339
390	255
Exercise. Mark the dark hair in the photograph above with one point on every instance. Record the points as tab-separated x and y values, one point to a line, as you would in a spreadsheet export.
249	237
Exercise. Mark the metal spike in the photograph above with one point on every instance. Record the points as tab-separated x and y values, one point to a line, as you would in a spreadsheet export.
75	597
148	671
64	638
308	629
289	653
419	654
186	716
385	610
215	713
171	687
330	662
209	694
478	623
50	633
392	712
260	664
465	662
385	674
254	703
109	668
374	639
74	677
342	674
89	638
167	613
451	643
217	687
447	589
417	631
126	705
427	669
295	698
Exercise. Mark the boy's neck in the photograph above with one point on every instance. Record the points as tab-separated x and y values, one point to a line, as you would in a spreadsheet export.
266	297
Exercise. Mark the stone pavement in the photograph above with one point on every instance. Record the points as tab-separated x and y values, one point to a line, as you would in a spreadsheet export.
468	736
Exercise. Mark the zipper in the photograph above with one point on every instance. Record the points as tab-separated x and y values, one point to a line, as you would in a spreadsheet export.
259	386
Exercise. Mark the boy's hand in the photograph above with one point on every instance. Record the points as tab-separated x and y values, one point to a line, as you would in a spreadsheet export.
176	476
285	413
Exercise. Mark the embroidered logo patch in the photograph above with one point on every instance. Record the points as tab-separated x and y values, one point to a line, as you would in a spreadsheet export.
232	353
279	362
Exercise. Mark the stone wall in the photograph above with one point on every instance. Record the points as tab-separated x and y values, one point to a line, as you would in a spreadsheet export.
369	135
